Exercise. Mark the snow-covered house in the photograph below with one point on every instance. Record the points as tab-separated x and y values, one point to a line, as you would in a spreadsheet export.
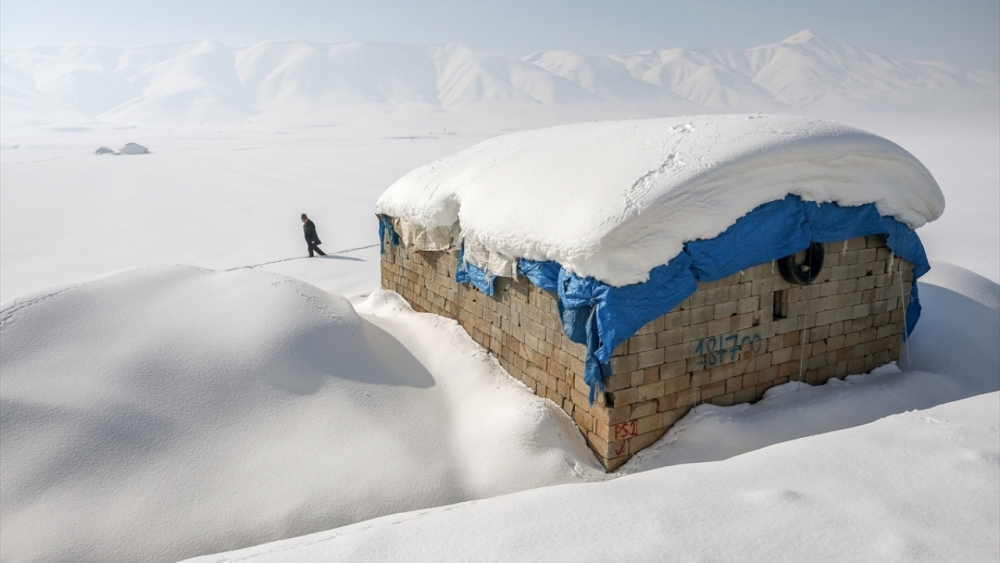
630	270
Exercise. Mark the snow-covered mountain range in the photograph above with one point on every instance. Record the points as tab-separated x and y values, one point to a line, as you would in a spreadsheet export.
299	80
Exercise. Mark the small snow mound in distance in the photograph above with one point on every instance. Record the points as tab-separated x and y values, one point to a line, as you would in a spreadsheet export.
129	148
133	148
173	411
615	199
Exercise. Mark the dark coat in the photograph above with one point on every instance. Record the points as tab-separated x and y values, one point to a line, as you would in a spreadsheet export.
309	229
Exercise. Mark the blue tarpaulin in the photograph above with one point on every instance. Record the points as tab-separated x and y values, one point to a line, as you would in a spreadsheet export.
469	273
386	232
602	316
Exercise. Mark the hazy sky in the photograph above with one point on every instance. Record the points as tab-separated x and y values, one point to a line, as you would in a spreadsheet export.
964	32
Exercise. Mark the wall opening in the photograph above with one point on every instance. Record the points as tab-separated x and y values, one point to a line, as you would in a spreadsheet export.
780	304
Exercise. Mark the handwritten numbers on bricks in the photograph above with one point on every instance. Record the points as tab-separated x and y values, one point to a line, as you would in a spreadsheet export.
718	350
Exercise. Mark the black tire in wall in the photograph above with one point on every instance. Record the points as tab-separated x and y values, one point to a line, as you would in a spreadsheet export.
802	269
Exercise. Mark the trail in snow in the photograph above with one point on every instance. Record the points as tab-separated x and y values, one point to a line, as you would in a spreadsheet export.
300	258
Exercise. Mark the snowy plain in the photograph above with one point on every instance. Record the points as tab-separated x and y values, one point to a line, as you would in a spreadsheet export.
177	380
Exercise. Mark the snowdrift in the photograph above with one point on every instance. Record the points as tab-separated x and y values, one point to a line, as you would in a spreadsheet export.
168	412
961	326
918	486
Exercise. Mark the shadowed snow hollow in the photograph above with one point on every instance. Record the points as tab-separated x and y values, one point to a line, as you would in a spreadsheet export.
173	411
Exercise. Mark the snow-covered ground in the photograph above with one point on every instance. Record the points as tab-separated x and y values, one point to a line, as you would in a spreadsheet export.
917	486
177	380
243	406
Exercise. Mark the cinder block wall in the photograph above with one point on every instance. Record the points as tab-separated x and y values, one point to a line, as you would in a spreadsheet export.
725	344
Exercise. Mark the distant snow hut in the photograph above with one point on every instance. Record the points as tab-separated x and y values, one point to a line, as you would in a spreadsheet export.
104	150
631	270
133	148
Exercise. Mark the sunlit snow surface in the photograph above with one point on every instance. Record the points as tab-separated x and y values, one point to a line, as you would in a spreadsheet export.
157	412
170	411
895	465
917	486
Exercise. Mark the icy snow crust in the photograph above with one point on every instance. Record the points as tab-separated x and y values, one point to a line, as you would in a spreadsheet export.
615	199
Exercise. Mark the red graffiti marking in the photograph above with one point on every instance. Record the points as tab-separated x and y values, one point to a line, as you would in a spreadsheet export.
626	430
621	450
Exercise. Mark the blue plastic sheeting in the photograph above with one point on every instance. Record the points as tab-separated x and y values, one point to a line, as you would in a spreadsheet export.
602	316
470	273
386	232
611	315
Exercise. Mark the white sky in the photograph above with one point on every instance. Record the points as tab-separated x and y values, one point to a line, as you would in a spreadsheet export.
964	32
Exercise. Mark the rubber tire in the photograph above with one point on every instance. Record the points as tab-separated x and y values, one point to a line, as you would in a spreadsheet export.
805	272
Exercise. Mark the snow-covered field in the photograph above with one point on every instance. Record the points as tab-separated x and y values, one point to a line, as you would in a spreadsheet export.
178	381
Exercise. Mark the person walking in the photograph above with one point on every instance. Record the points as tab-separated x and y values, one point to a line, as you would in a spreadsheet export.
312	239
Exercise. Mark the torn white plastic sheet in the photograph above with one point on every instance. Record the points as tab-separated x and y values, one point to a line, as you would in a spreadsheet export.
432	239
490	261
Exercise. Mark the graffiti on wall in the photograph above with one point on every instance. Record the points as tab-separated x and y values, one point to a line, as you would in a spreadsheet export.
625	430
718	350
622	431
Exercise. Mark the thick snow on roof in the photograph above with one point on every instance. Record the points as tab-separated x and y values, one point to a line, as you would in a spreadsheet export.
615	199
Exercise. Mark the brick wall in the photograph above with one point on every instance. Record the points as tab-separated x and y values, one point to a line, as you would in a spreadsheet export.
725	344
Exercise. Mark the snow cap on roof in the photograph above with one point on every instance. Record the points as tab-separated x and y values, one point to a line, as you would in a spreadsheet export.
615	199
